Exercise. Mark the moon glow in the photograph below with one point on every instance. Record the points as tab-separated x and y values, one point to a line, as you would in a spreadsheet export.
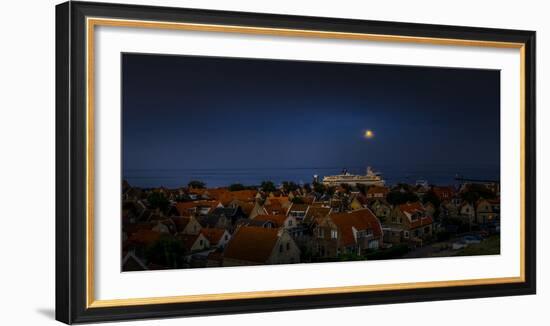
369	134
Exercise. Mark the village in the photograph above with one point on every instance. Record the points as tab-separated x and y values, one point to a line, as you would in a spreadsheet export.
196	226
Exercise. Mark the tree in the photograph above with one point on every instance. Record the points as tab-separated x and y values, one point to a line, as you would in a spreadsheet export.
298	200
158	200
431	197
268	186
307	188
319	187
397	197
476	191
236	187
362	188
166	251
196	184
289	186
346	187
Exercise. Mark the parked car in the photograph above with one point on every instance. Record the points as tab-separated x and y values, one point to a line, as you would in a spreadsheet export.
459	245
471	239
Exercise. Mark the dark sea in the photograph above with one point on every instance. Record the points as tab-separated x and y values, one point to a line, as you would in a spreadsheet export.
173	178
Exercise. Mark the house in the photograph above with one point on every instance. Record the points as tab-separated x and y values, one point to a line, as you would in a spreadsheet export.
357	231
381	208
315	212
144	237
357	202
298	211
447	208
377	192
139	240
194	242
430	209
324	241
131	263
186	224
487	211
226	197
233	213
199	207
260	246
215	221
467	211
165	225
216	237
258	209
409	223
444	193
275	208
280	221
257	223
283	201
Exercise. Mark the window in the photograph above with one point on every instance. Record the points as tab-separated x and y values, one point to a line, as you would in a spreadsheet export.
406	234
334	234
226	237
287	246
200	242
369	231
290	223
280	248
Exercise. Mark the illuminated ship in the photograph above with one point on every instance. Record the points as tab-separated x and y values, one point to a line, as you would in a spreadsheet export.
371	178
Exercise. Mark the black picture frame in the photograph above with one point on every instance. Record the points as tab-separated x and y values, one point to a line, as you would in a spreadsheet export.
71	156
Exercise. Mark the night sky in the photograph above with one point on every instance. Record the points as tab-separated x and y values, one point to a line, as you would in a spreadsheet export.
183	112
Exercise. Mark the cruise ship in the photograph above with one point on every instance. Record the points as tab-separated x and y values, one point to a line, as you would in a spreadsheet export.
371	178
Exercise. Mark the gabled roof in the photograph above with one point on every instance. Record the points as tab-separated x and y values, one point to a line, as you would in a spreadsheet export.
214	235
210	221
298	207
278	219
131	262
183	207
181	222
188	240
443	192
274	208
316	212
242	195
411	208
253	244
257	223
361	219
424	221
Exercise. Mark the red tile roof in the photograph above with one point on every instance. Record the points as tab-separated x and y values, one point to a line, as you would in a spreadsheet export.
424	221
443	192
253	244
412	208
183	207
144	237
378	190
316	212
188	240
213	235
361	219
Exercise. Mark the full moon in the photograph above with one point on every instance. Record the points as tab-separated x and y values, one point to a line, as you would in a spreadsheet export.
369	134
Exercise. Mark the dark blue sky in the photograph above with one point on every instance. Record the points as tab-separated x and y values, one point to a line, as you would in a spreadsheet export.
183	112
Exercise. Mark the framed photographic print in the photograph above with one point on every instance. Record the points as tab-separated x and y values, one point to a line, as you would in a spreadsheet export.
214	162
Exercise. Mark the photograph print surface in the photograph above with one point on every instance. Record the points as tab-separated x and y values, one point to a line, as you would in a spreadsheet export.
241	161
